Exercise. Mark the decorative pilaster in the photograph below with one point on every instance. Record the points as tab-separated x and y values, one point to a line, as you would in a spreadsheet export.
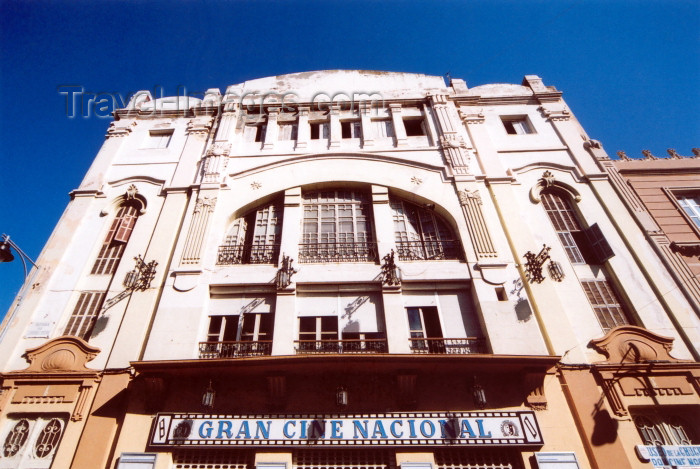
614	400
367	130
198	228
397	121
272	131
335	129
79	409
303	129
456	153
476	223
215	162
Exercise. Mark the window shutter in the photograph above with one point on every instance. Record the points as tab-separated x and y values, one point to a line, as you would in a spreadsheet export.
599	246
126	226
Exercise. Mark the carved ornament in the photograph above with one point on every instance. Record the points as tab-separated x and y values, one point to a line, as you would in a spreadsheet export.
686	249
120	130
199	125
219	149
648	156
623	156
131	192
465	196
562	114
472	117
673	154
632	344
548	180
205	202
61	355
452	141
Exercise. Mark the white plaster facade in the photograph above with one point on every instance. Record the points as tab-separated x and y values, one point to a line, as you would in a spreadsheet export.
197	168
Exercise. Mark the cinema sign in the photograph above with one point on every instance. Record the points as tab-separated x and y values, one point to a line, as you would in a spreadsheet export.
403	429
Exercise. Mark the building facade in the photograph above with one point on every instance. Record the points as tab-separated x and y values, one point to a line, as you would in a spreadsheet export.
349	269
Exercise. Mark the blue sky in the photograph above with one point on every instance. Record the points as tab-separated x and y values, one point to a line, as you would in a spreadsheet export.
629	70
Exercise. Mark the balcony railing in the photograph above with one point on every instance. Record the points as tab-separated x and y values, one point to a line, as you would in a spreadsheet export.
448	346
248	254
341	346
234	349
338	252
428	250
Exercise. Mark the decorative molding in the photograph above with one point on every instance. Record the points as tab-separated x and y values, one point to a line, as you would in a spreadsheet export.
549	180
614	400
78	411
476	223
203	208
632	344
472	117
536	398
416	180
456	153
555	115
199	126
686	249
64	354
131	192
120	130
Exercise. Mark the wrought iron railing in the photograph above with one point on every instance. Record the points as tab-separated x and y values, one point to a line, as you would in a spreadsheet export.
428	250
248	254
448	346
341	346
338	252
234	349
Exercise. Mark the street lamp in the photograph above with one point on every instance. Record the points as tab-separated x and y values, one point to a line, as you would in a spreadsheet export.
6	246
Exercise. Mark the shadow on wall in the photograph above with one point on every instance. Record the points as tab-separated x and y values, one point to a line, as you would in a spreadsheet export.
604	428
522	310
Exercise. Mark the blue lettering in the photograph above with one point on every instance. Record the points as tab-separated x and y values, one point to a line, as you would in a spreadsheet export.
285	429
261	429
245	430
412	428
394	433
318	429
378	428
466	429
359	428
205	432
222	430
303	429
424	432
335	428
480	424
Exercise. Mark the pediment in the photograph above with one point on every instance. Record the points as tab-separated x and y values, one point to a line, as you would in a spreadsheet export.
60	355
632	344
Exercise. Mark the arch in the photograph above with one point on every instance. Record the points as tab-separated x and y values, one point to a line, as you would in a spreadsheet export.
548	181
421	233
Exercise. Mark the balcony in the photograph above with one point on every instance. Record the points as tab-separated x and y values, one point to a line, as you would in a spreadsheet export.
341	346
464	346
248	254
234	349
338	252
428	250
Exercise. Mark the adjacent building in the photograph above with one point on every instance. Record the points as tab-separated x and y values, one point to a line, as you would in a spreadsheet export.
350	269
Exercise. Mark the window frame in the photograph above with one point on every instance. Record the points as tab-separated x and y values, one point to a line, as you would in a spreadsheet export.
85	313
674	193
603	310
156	139
660	428
524	124
113	247
26	454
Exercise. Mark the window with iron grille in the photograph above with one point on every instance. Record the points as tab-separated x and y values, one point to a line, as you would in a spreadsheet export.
255	237
658	428
421	234
84	314
30	442
337	227
115	242
608	308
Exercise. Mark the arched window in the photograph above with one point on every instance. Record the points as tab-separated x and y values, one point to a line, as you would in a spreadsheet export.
586	246
254	238
421	234
115	242
337	227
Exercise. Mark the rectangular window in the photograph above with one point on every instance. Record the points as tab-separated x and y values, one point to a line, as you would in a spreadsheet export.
608	308
414	127
137	461
383	128
84	314
691	206
319	130
351	129
158	139
517	125
288	131
424	323
255	132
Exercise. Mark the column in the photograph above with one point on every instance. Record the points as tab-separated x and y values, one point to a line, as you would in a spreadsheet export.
399	129
303	129
367	130
271	134
335	129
